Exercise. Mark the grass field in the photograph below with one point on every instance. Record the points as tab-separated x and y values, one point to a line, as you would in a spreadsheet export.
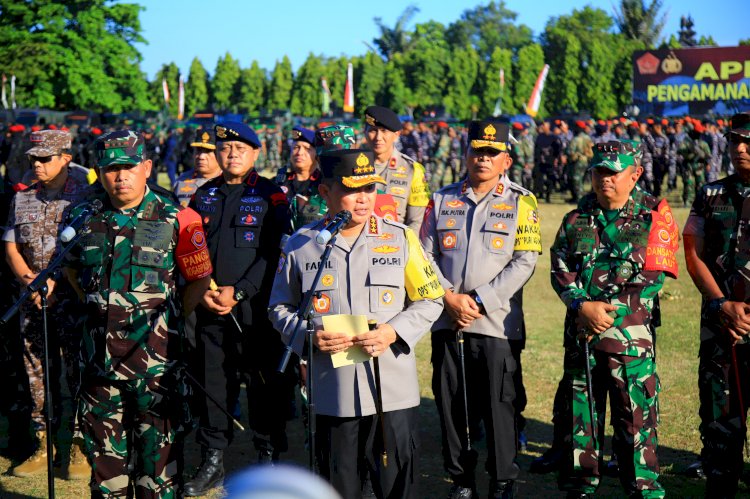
542	363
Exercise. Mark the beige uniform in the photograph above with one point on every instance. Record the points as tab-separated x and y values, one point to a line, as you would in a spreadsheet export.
406	182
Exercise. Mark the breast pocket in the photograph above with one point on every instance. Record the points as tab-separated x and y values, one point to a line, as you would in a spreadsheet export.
386	289
246	237
498	243
448	229
327	299
149	270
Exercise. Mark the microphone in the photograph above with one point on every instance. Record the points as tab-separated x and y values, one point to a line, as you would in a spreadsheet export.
342	218
87	212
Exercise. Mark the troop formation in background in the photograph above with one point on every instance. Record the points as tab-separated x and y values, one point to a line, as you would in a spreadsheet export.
438	226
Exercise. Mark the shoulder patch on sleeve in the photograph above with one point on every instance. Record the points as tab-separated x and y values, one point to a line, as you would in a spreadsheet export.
528	230
191	254
663	241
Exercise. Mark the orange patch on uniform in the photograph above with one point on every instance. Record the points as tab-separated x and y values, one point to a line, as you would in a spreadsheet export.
454	204
322	303
500	189
450	223
502	206
449	240
398	191
500	226
497	242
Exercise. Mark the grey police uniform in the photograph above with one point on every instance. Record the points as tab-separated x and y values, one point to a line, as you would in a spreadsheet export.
186	185
488	246
405	179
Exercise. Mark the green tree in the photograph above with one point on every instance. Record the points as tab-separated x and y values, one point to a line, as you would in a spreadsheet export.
488	83
196	88
597	94
370	75
622	78
335	72
251	87
280	89
224	83
563	54
528	65
306	95
426	63
74	54
171	73
396	39
744	42
396	94
486	27
707	41
640	22
462	72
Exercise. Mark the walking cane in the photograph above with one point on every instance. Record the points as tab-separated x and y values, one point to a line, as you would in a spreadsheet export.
371	325
589	388
460	341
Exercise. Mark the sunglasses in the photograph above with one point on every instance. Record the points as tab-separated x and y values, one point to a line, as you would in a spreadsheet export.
485	151
43	160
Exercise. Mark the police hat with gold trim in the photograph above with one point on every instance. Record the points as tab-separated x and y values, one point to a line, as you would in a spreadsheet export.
491	134
352	167
382	116
234	130
739	125
205	138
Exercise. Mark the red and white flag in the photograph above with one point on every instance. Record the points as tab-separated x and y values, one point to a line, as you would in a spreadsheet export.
13	91
532	108
3	97
165	89
181	99
502	79
349	90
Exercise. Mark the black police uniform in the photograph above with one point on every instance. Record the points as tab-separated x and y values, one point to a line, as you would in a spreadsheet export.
244	226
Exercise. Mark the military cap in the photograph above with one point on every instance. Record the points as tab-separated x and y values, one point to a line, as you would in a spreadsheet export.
352	167
518	125
334	138
382	116
205	138
49	143
123	147
615	155
740	125
492	134
234	130
303	134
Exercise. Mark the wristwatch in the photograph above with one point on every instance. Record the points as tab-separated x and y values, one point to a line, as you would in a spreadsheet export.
476	298
240	294
714	305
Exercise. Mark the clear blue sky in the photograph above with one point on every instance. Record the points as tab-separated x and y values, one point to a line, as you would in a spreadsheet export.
265	30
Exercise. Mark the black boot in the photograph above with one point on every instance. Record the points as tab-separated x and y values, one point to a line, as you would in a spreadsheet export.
502	489
210	474
547	462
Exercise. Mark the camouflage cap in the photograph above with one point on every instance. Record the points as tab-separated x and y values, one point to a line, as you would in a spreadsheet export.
46	143
123	147
614	155
334	138
635	146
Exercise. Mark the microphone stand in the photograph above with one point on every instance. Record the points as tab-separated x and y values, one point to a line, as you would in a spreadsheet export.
39	284
305	312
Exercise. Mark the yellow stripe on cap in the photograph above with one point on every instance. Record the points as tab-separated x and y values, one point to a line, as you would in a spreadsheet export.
357	181
203	145
500	146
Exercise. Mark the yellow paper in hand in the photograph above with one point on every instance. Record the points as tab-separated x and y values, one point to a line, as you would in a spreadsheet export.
351	325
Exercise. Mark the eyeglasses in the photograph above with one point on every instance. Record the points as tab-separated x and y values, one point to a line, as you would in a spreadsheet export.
485	151
41	159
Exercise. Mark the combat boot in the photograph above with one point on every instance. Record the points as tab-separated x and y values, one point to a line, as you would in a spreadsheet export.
78	466
37	463
210	474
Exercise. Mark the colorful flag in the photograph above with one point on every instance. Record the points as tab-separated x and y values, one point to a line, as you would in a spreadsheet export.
326	107
165	89
13	91
181	99
498	103
536	95
349	90
3	97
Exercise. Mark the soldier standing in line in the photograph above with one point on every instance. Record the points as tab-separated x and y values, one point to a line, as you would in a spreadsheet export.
696	155
606	271
547	157
718	145
405	178
483	237
126	268
377	269
245	216
580	152
206	166
31	243
658	157
717	252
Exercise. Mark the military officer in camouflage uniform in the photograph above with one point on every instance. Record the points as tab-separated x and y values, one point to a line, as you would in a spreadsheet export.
483	236
31	243
245	216
696	155
206	166
300	179
609	260
717	252
377	269
404	177
127	267
658	158
580	152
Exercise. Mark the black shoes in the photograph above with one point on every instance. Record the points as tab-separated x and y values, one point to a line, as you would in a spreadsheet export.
548	462
210	474
695	470
459	492
502	489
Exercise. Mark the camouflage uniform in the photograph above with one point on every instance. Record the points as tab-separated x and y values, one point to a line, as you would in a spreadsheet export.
599	255
132	394
719	215
523	155
580	151
35	222
658	160
696	155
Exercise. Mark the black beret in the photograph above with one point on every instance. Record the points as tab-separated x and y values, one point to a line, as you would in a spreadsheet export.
382	116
